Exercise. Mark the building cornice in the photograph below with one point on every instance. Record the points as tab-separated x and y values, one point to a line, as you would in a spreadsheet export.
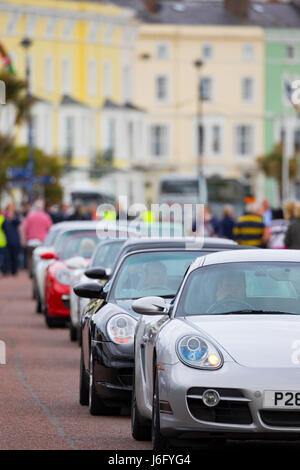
122	17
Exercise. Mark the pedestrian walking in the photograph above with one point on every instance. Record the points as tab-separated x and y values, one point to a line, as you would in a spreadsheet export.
250	229
36	228
278	229
292	237
11	230
227	223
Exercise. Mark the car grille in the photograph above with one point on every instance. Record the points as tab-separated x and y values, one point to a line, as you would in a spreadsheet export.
279	418
233	407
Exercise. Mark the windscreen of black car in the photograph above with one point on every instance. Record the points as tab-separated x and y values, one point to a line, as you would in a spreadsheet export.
242	288
106	254
80	244
153	273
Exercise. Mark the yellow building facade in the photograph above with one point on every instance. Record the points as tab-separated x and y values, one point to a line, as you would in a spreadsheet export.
81	60
223	128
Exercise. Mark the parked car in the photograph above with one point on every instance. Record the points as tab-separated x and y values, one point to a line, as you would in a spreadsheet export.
73	254
45	254
99	267
221	360
108	322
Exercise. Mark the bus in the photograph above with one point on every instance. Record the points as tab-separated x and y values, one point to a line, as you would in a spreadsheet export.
215	191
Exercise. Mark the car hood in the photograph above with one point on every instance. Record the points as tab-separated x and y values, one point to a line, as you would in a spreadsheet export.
127	305
254	340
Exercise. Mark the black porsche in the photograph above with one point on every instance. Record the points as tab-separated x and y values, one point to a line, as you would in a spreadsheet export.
108	322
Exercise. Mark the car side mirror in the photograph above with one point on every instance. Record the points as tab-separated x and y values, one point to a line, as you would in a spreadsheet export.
151	306
91	290
49	255
98	273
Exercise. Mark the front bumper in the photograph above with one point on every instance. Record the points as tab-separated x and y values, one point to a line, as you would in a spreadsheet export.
113	374
240	413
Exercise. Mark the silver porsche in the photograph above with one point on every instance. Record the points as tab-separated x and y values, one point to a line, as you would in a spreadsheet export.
223	359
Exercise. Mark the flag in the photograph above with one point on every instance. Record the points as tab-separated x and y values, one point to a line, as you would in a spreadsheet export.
6	60
289	91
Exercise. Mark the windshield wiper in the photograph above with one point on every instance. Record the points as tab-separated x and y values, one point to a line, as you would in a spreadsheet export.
252	312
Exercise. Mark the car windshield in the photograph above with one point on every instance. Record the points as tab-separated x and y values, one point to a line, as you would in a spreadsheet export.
80	244
106	254
60	241
152	273
51	237
242	288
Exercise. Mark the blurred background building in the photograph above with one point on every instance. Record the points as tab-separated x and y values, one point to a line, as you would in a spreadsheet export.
130	91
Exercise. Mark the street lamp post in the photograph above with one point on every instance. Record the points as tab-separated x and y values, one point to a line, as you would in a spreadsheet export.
200	134
26	44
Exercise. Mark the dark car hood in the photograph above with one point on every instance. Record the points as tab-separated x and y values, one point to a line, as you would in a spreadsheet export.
126	305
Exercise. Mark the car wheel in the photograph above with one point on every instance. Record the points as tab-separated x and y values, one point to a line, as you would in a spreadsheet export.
38	307
83	384
159	442
96	405
73	331
140	430
50	322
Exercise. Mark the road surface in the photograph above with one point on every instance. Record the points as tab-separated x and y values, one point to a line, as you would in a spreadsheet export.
39	406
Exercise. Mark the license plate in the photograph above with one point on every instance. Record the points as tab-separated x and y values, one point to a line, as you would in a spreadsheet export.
286	400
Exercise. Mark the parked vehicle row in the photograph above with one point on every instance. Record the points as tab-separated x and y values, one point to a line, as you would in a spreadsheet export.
195	335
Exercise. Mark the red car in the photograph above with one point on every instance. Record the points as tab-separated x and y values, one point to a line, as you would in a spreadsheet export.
77	248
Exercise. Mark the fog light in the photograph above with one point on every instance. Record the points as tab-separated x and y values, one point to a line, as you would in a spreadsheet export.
210	398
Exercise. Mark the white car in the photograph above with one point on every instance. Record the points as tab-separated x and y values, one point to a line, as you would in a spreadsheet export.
223	359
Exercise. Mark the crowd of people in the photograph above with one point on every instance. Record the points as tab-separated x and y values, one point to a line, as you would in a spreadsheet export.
259	226
22	230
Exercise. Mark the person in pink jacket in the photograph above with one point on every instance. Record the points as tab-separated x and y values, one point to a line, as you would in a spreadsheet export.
36	227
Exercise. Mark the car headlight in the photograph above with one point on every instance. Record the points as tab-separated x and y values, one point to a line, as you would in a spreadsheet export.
64	277
195	351
120	328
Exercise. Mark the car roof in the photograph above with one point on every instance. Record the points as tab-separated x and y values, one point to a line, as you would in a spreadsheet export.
180	242
239	256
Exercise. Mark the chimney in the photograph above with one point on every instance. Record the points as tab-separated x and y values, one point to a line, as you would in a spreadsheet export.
151	6
237	8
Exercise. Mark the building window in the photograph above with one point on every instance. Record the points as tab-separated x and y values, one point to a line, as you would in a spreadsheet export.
162	88
163	50
244	140
126	84
111	135
93	31
201	139
216	139
51	26
107	80
68	29
206	89
49	74
66	76
69	138
207	51
13	20
247	89
92	77
248	52
297	141
290	52
159	137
